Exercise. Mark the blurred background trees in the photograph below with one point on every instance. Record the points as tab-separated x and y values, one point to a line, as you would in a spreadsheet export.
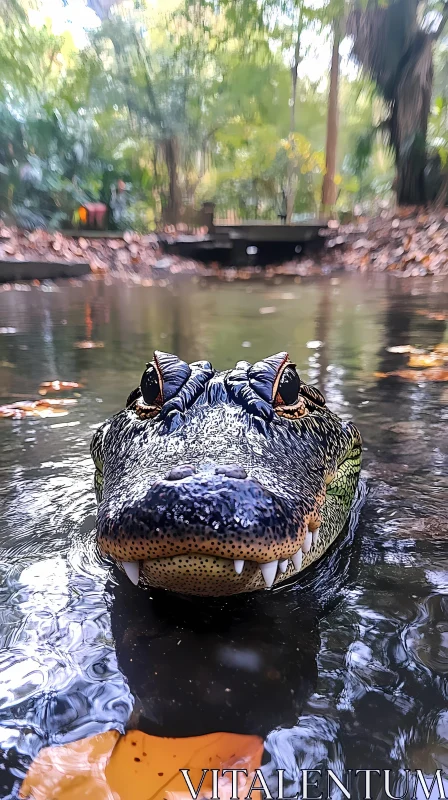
184	101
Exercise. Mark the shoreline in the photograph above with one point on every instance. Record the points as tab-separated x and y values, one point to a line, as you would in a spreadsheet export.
406	243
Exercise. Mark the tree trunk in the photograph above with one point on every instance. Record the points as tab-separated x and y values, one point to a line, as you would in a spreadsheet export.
329	192
398	54
291	176
173	209
409	120
294	71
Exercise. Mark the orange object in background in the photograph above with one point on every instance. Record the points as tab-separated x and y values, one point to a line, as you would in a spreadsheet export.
136	766
82	213
93	215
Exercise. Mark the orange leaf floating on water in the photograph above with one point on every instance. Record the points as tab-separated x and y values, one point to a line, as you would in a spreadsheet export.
431	374
136	766
140	761
71	771
425	360
35	408
88	345
58	386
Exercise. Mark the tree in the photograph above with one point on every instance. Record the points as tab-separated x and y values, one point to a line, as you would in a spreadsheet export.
328	184
298	10
397	51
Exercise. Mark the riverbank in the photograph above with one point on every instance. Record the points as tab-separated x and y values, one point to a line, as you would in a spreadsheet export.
410	242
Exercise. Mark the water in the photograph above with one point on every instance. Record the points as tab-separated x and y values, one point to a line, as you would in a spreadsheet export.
353	672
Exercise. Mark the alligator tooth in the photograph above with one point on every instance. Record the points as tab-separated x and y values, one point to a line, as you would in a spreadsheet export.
283	565
239	565
316	535
306	546
297	559
269	572
132	570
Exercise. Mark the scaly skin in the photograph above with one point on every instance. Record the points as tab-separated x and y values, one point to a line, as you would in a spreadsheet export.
206	469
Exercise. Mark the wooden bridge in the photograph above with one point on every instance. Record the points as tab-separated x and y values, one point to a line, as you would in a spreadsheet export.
249	242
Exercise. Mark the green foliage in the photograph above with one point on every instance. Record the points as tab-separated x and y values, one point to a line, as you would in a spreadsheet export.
184	101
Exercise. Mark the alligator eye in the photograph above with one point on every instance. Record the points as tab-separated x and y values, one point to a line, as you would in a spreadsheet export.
288	387
150	386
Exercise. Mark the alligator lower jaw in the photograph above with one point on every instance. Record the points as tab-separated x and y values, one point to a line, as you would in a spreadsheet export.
210	575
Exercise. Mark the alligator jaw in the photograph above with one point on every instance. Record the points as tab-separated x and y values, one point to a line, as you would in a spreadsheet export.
208	574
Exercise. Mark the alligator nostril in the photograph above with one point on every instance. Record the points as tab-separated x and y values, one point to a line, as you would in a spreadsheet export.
231	471
177	473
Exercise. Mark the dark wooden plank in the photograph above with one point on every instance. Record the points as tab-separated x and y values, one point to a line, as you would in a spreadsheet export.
12	270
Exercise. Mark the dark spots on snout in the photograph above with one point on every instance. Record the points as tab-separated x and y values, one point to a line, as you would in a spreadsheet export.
182	471
208	513
231	471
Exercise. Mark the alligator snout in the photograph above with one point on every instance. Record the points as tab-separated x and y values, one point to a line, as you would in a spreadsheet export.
199	516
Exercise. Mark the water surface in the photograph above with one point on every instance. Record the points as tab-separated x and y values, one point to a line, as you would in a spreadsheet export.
352	672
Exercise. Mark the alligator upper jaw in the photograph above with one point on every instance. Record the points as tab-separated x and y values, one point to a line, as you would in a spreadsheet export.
209	533
209	573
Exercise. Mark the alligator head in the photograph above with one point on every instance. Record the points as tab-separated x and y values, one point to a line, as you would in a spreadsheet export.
214	483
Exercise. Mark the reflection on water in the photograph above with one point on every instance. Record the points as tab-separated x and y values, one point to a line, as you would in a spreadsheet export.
351	672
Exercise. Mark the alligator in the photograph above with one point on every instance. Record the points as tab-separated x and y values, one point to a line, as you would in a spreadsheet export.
215	483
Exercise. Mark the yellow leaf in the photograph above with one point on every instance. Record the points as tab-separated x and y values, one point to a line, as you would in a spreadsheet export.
71	771
135	766
426	360
140	761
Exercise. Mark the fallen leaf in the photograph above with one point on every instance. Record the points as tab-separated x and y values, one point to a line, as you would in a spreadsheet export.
431	374
267	310
71	771
58	386
98	266
136	766
88	345
425	360
404	348
35	408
